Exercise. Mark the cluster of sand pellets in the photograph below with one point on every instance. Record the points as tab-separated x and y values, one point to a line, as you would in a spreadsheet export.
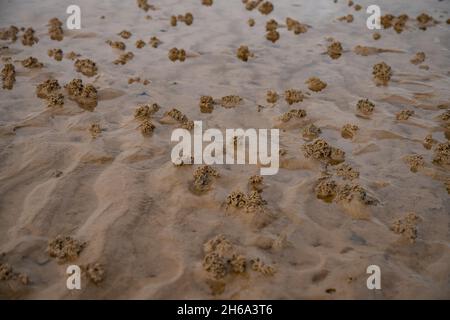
348	18
404	114
272	96
407	227
429	141
138	80
243	53
8	76
206	104
415	162
143	114
365	107
179	117
330	189
272	33
222	259
86	66
348	130
251	201
95	272
65	248
9	33
95	130
188	19
295	26
177	54
120	45
28	37
140	44
334	50
50	91
264	8
418	58
32	63
311	132
125	34
143	4
72	55
203	179
207	3
320	150
154	42
7	273
293	114
442	154
55	29
293	96
346	172
124	58
315	84
84	95
56	54
381	74
230	101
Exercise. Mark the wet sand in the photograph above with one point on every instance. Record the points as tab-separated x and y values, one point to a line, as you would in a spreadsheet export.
141	227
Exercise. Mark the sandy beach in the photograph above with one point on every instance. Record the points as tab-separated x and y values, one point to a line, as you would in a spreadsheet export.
86	176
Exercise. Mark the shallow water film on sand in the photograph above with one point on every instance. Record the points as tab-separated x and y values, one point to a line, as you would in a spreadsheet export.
93	204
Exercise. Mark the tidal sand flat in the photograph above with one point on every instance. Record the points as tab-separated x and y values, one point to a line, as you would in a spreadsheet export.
87	178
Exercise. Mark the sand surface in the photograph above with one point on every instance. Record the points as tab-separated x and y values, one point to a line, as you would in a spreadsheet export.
136	211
